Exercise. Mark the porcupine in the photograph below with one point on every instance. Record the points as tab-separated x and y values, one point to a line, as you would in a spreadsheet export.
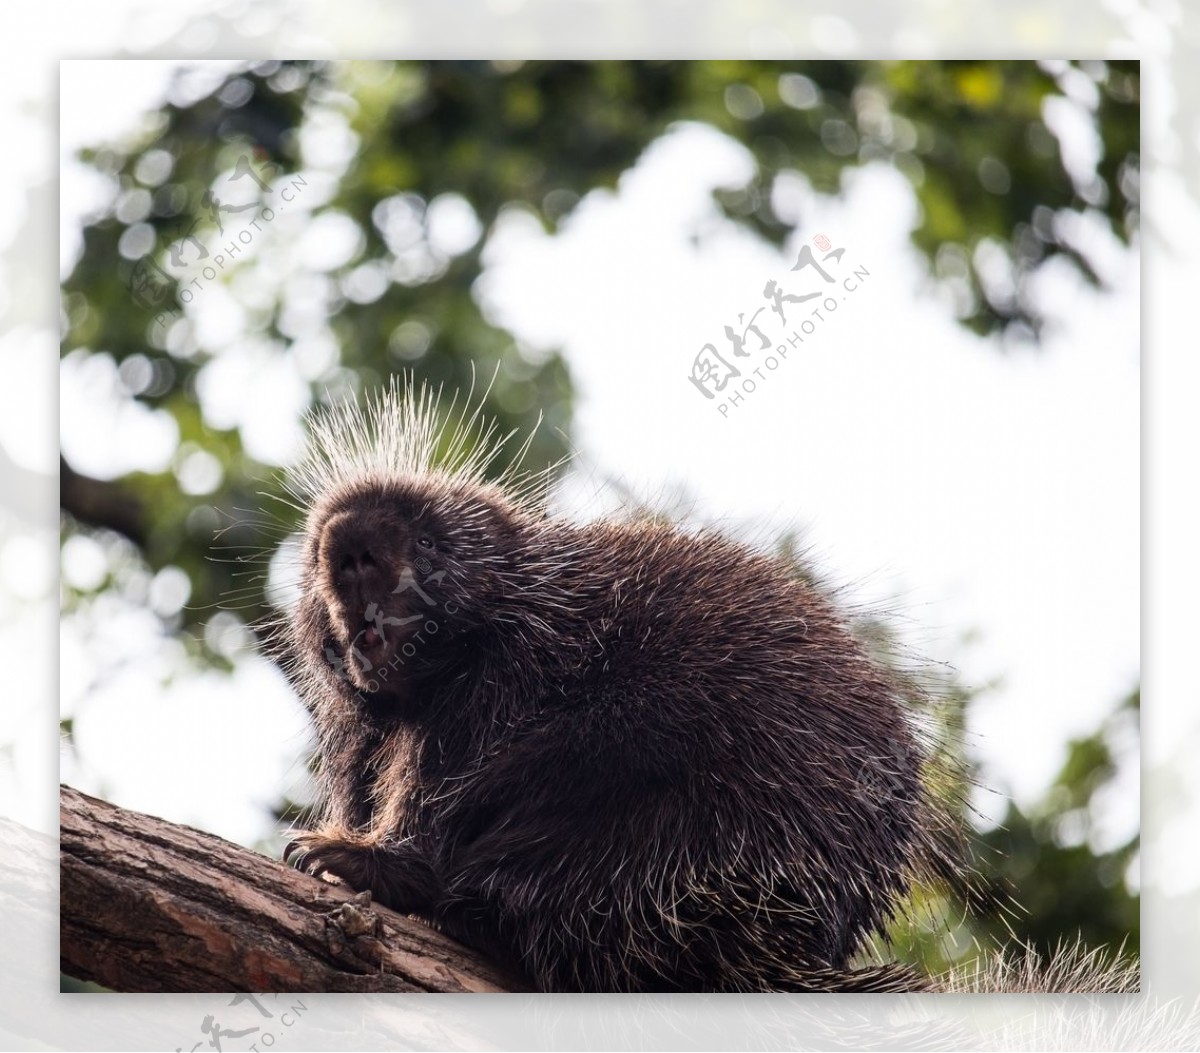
616	756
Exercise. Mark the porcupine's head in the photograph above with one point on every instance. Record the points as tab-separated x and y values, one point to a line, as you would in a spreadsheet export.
408	549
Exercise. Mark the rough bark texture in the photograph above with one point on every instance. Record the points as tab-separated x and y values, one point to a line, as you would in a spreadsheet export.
148	905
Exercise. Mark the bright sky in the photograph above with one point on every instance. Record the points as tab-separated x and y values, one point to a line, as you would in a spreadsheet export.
1003	503
1004	499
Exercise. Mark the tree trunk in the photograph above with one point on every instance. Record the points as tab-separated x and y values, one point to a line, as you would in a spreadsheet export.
148	905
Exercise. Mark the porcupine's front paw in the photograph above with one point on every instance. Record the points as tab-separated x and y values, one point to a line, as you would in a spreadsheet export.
394	872
321	854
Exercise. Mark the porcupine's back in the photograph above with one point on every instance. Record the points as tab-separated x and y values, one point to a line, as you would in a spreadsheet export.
715	789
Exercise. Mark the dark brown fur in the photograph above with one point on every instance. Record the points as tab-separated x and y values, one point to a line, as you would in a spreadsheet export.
617	757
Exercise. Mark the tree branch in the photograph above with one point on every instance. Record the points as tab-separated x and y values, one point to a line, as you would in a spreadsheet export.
101	504
148	905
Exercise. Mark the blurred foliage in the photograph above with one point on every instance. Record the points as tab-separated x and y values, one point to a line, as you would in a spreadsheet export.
382	158
1068	879
1043	879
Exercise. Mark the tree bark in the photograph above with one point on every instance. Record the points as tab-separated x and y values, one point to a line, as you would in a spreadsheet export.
147	905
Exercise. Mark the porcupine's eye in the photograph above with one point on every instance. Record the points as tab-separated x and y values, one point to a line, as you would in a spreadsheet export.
425	542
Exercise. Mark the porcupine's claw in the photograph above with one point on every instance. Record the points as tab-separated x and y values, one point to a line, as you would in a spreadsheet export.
301	857
317	855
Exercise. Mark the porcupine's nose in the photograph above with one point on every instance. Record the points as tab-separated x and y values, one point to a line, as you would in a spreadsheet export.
351	552
356	565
